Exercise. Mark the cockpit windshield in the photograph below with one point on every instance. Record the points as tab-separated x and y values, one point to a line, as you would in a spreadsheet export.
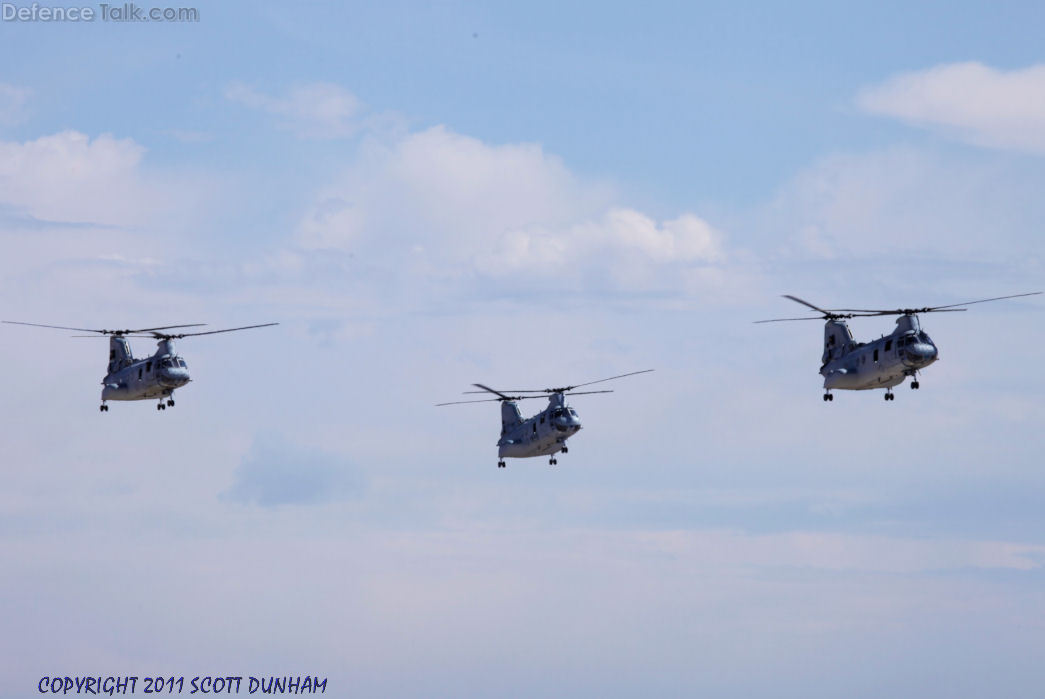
922	337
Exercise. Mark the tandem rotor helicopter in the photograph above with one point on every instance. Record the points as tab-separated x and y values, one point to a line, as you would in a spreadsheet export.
128	378
881	363
545	433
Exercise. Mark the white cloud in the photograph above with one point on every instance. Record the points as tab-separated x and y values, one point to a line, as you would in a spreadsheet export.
316	110
69	177
908	202
456	206
13	101
971	101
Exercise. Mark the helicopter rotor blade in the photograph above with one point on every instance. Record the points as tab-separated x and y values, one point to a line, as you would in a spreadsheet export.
589	383
969	303
561	389
487	389
488	400
806	303
581	393
490	390
836	313
934	309
178	336
781	320
105	332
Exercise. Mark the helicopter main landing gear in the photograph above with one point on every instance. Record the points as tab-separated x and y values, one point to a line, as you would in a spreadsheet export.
103	408
914	379
828	396
501	464
552	461
565	449
889	394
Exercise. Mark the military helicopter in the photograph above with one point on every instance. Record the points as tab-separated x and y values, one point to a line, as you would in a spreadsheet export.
545	433
881	363
157	376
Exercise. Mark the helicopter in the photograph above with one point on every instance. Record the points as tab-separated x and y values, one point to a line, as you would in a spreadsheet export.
881	363
130	378
545	433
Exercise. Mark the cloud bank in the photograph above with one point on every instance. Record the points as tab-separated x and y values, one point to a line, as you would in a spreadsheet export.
969	101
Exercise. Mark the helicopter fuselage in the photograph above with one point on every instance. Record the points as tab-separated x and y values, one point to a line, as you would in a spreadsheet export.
544	434
881	363
142	379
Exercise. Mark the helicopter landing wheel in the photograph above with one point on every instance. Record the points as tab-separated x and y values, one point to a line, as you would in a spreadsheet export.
170	402
889	395
103	408
828	396
500	464
552	461
161	406
914	385
565	449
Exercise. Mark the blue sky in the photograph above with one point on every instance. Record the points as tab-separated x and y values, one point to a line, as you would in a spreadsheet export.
425	197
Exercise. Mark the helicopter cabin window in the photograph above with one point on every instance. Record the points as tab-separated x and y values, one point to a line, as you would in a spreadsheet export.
831	341
876	354
888	345
139	373
542	419
535	428
182	364
148	367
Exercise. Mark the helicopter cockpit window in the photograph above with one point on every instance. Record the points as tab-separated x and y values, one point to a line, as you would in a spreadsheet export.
573	412
922	337
181	363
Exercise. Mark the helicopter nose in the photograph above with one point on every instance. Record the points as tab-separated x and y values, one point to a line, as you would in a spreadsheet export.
922	353
175	377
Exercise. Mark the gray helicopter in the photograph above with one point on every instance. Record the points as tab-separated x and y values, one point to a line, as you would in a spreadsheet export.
881	363
128	378
545	433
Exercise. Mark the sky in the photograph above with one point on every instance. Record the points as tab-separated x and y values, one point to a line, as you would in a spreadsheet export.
429	196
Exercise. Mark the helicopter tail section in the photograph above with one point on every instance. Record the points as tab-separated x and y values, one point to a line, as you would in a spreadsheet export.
119	353
510	415
838	340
